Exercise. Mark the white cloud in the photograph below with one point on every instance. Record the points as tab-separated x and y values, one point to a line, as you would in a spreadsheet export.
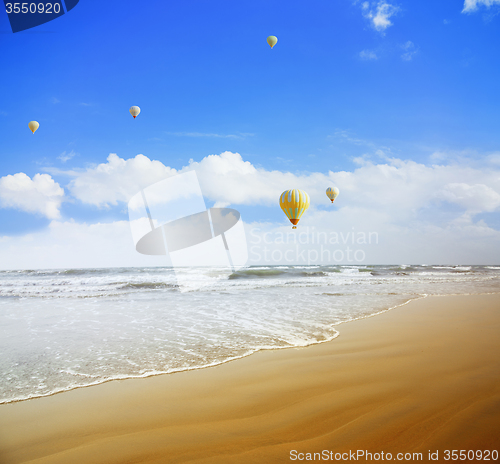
474	198
419	212
380	15
229	179
494	158
472	5
409	50
466	157
225	178
75	245
397	187
117	180
40	195
368	55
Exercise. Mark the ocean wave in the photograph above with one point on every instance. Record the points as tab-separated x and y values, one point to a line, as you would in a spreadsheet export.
95	283
146	285
256	273
67	330
312	274
454	268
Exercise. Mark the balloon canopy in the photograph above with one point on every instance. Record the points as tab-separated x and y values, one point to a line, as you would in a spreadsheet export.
272	40
134	111
294	203
33	125
332	193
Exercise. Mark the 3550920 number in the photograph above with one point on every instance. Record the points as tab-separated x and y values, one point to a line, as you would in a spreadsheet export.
470	455
33	7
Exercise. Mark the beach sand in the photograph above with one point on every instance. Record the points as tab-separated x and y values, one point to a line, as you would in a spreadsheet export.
424	376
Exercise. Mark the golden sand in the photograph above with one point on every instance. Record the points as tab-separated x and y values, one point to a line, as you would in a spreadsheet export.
424	376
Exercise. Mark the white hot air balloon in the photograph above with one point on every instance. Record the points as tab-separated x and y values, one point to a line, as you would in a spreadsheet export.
332	193
272	40
134	111
33	125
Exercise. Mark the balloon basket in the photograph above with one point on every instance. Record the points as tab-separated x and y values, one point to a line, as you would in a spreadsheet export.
294	227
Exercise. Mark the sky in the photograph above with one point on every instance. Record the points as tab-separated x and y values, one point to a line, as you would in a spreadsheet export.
394	102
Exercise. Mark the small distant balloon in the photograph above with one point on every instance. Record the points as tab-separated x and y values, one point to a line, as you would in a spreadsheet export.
294	203
272	40
332	193
33	125
134	111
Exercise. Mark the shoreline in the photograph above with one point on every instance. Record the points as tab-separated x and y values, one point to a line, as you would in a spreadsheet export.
256	409
277	348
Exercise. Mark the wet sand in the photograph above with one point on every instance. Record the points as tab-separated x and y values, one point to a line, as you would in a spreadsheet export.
424	376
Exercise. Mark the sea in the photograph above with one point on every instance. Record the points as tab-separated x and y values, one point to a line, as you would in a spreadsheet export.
68	328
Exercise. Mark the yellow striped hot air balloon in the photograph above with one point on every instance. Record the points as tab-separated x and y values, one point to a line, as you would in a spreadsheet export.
294	203
332	193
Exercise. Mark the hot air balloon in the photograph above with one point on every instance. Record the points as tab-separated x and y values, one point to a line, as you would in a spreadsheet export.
134	111
33	125
294	203
332	193
272	40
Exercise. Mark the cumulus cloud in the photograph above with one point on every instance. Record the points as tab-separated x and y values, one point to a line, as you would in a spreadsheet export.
474	198
419	212
379	14
117	180
226	178
472	5
494	158
40	195
396	187
68	244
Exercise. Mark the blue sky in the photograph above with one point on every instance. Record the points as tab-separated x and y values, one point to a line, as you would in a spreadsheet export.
348	83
